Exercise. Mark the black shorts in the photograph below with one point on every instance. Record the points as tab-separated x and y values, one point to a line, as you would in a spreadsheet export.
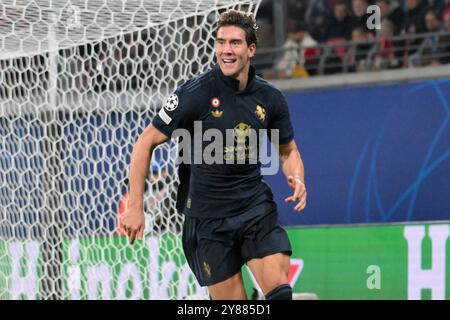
217	248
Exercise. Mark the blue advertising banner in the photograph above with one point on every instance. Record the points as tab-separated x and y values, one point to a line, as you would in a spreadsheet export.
372	154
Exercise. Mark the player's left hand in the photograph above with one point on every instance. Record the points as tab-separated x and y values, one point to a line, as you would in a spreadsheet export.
299	193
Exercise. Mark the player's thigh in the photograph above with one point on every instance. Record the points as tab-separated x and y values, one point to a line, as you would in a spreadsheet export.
266	249
270	271
229	289
213	256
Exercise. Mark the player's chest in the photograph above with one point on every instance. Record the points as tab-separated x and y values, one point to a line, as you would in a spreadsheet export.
224	112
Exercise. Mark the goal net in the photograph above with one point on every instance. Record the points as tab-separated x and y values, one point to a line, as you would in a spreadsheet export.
79	81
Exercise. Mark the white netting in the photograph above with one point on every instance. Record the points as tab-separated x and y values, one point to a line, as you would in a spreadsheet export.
79	80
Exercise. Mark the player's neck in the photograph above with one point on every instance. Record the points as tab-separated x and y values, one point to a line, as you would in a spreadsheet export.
242	77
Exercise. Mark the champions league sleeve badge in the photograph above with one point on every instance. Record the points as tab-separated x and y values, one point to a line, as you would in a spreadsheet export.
171	103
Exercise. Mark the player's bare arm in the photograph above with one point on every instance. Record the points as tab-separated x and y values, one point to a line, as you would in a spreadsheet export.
293	169
133	220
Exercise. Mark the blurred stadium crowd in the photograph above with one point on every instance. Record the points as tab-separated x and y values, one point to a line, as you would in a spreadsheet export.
297	39
333	36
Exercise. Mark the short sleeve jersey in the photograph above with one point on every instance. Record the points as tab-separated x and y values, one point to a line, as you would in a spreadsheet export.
212	102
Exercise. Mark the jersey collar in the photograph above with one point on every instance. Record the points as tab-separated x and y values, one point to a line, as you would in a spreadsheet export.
233	83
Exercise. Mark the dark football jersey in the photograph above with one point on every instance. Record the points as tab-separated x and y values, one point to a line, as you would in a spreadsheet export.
212	103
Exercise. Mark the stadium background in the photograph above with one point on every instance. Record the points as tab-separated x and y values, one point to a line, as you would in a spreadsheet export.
377	164
376	154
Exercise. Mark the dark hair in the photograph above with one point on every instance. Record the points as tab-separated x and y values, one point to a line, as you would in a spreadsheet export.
241	19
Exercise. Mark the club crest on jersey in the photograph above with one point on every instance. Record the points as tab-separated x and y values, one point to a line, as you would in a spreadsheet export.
260	113
215	102
171	103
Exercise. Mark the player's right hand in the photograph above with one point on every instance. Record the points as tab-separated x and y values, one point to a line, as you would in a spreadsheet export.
133	222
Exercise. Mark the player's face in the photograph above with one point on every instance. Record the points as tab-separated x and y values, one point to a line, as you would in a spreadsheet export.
232	51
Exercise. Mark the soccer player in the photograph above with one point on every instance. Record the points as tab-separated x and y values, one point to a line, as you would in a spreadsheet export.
231	218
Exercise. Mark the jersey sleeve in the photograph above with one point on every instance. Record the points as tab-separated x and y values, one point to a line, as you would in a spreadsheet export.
281	120
177	112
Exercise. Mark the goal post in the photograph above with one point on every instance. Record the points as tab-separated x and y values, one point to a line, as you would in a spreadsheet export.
79	80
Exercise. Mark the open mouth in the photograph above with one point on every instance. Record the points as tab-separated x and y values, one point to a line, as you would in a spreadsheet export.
228	61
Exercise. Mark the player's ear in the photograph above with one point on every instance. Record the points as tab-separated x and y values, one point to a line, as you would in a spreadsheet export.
251	50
